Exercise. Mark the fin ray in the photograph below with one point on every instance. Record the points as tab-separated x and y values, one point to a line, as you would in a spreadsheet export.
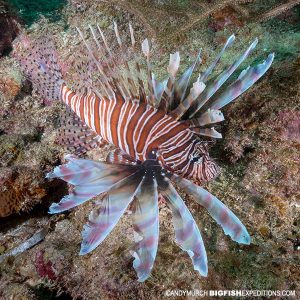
245	80
102	221
230	223
213	87
145	220
187	232
90	178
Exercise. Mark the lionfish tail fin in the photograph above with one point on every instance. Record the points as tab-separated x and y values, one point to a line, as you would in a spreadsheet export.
39	62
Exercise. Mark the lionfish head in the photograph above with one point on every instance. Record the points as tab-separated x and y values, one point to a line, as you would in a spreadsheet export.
194	164
202	167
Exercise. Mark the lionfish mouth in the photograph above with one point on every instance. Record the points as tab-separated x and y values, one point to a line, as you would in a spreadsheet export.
141	184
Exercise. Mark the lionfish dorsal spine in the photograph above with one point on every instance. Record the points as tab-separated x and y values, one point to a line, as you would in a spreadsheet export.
213	87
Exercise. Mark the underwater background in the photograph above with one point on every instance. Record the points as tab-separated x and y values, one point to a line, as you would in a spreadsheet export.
259	155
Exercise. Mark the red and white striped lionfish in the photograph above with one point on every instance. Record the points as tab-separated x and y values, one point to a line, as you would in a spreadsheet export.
155	127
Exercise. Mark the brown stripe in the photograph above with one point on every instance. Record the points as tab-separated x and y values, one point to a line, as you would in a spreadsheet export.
146	130
96	115
105	114
131	126
157	142
114	121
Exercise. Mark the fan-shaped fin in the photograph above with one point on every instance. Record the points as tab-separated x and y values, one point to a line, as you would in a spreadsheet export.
145	220
219	81
76	136
222	214
245	80
78	171
186	230
90	178
104	219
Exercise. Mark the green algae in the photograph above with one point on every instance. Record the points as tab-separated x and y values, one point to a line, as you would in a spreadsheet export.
239	267
31	11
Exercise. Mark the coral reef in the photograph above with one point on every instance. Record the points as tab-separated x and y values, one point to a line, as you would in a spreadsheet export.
192	13
259	157
8	28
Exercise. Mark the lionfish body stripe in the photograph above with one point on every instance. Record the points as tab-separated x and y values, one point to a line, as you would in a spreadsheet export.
156	132
135	128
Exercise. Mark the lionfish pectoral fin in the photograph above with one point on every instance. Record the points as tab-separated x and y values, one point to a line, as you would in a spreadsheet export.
187	232
245	80
230	223
103	220
145	220
76	136
90	178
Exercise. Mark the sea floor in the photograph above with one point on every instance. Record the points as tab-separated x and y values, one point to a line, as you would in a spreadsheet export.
259	158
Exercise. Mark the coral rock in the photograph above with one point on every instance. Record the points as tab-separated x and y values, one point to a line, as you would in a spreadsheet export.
8	28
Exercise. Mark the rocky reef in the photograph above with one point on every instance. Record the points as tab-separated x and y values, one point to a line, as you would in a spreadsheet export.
259	157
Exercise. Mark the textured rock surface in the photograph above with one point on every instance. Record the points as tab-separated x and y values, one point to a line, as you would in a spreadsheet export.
9	28
260	177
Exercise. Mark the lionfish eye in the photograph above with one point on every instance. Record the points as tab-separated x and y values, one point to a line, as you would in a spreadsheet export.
196	159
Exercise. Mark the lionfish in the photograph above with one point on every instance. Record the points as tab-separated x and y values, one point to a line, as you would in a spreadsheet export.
155	127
